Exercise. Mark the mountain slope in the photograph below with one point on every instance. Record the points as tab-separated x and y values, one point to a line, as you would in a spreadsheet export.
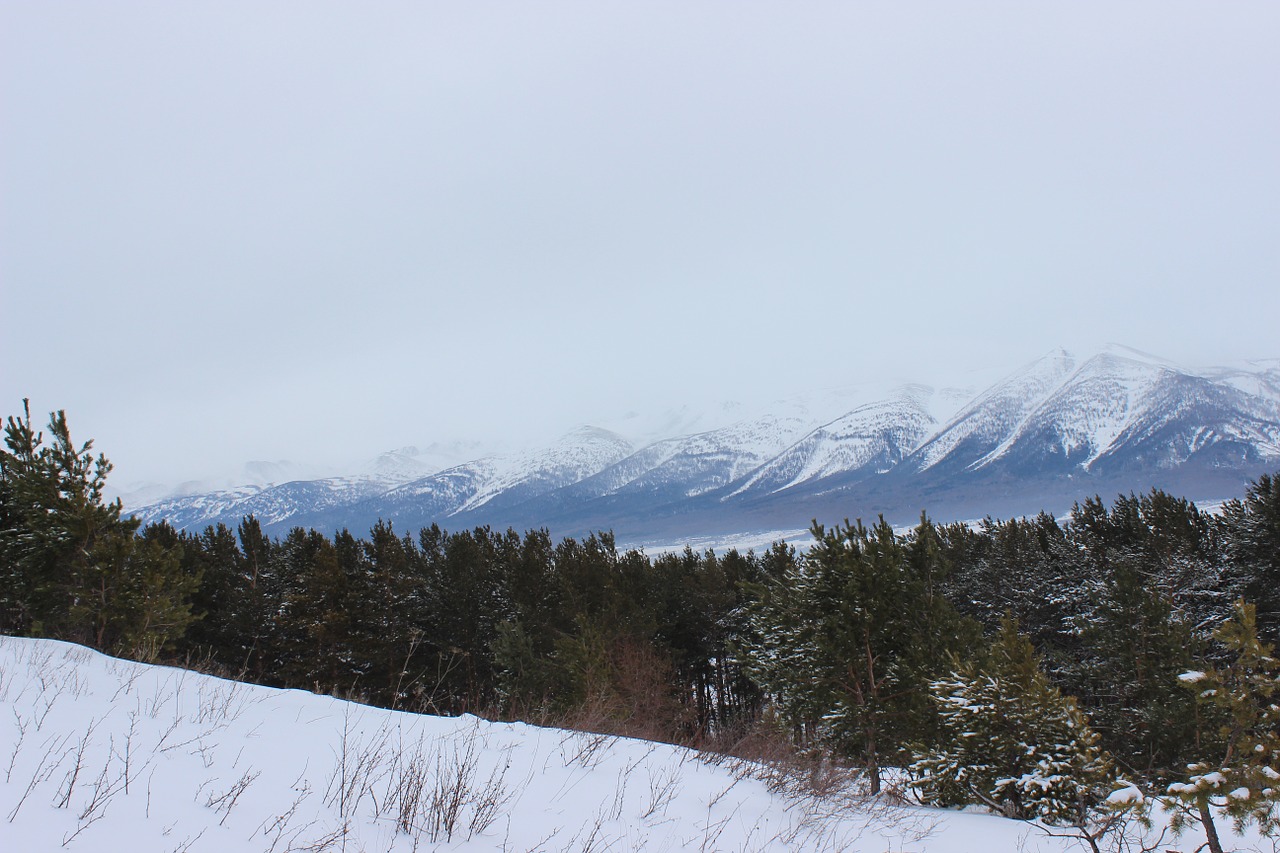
982	426
487	487
871	439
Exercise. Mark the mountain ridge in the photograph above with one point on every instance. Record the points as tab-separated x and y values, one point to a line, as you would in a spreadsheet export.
1056	429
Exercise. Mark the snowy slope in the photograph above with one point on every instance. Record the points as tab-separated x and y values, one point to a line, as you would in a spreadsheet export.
106	755
1260	379
485	485
702	462
984	424
271	504
396	479
874	438
575	457
1125	409
273	493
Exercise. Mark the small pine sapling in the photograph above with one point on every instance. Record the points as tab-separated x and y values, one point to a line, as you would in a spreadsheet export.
1241	777
1011	741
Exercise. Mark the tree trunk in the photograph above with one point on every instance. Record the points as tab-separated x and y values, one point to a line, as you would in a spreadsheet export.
1210	831
873	763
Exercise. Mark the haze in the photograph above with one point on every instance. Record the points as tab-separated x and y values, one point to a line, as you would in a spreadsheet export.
316	231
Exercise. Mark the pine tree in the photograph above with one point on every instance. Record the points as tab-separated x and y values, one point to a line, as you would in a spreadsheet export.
843	641
1012	741
219	631
74	567
1241	776
1023	567
1252	531
152	603
1132	648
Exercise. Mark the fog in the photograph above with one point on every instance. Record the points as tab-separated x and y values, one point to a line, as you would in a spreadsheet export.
315	231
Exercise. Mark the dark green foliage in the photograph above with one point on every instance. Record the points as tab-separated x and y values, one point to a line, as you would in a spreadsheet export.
1116	602
847	640
1026	568
1158	588
463	604
72	566
215	557
1012	741
1133	647
1171	543
1251	530
1238	759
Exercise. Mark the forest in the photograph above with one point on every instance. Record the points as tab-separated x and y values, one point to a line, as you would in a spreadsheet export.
1046	668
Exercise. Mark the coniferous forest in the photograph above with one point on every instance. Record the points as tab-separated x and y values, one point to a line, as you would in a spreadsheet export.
1033	665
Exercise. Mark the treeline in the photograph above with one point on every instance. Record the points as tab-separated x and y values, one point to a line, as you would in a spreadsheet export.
874	645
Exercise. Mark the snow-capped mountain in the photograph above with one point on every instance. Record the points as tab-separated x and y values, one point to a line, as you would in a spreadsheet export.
1120	411
495	482
872	439
275	492
1054	431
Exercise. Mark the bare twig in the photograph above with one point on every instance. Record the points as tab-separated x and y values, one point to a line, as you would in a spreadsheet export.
663	787
17	744
226	801
44	769
69	781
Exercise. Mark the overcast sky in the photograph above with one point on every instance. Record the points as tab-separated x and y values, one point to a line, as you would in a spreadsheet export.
264	230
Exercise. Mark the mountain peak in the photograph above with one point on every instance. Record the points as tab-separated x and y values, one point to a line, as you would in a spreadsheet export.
1127	353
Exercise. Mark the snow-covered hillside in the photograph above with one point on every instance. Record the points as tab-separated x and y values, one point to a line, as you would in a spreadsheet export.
106	755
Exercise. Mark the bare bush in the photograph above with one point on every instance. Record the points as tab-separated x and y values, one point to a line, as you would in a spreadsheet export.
664	785
275	828
432	790
63	799
584	749
451	790
358	766
21	725
104	790
226	801
45	768
411	779
489	799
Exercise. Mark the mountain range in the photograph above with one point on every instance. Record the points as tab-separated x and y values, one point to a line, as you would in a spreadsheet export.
1057	430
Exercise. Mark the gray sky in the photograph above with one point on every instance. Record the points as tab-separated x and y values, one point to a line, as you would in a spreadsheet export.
264	230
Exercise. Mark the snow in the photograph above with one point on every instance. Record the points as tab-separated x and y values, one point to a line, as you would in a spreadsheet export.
99	754
891	428
576	456
1091	407
800	539
1126	796
995	414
